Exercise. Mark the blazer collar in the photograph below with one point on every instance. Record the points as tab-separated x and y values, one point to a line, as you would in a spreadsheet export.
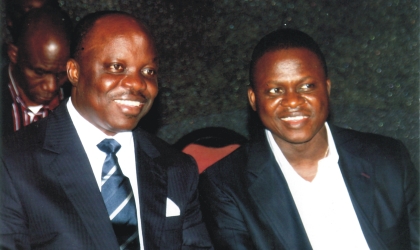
268	189
64	156
358	172
153	186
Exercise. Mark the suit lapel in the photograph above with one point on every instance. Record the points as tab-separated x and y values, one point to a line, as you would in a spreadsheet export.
359	175
152	190
269	191
69	162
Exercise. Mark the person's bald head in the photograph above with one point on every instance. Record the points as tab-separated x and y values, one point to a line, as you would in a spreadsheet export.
84	28
47	21
16	9
39	55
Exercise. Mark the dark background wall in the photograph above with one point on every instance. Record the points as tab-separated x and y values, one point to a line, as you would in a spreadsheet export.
371	47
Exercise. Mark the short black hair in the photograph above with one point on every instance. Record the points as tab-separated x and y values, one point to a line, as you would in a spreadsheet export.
85	25
282	39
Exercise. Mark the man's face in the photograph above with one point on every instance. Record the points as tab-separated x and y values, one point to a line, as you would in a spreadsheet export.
41	69
290	94
115	76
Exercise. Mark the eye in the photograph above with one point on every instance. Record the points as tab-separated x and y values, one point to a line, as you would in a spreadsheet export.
149	72
39	72
274	90
307	86
116	67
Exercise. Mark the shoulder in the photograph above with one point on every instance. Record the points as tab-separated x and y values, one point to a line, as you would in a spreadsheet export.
26	139
371	147
229	172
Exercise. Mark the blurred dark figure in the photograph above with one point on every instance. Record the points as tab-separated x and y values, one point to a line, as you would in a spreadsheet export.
31	84
209	145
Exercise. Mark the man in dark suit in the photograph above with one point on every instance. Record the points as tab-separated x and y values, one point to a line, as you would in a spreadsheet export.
303	183
85	177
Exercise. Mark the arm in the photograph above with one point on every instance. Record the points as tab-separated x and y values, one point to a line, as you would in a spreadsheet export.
411	193
194	232
13	223
223	218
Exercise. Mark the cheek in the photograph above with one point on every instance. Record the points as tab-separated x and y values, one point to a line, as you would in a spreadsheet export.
153	89
268	106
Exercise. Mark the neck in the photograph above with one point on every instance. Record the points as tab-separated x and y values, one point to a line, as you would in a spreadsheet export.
304	157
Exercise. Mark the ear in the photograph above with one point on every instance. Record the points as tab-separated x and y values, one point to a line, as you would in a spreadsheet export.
73	70
328	82
12	52
251	98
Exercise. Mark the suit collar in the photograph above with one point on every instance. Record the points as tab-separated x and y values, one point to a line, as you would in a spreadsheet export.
152	178
268	189
63	149
357	168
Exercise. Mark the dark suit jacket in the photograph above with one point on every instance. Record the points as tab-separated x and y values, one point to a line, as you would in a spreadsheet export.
247	204
50	199
6	101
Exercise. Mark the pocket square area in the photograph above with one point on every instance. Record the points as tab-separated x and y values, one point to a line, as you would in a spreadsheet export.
171	208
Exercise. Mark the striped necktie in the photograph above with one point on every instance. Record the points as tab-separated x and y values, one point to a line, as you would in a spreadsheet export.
118	197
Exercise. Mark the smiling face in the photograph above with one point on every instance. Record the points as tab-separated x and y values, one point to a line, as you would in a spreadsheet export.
115	76
290	94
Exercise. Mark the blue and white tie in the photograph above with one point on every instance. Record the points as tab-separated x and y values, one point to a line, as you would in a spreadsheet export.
118	196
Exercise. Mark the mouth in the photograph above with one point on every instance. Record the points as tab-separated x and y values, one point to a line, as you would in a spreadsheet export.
129	103
294	118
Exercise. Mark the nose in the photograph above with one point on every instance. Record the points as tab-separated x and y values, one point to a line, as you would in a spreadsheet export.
50	83
135	82
291	99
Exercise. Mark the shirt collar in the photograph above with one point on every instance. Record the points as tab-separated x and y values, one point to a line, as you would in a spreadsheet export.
88	133
332	155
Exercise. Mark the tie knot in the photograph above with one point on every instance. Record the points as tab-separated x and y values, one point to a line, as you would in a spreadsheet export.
109	146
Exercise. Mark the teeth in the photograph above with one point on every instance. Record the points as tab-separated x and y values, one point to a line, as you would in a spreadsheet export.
128	103
293	118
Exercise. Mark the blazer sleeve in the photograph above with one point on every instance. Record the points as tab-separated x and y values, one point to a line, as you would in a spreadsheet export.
223	219
13	230
194	232
411	196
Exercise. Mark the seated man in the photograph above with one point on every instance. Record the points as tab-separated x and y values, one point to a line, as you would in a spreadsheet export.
304	183
37	68
86	177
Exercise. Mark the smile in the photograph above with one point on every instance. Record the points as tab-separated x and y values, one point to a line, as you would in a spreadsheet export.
294	118
129	103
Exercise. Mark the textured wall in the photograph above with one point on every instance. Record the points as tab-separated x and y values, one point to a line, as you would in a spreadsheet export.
371	47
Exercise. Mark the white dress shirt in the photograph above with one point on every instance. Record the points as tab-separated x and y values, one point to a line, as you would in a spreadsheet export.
324	204
91	136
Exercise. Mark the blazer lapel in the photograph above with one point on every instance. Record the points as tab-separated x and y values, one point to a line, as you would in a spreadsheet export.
69	162
270	192
152	179
358	174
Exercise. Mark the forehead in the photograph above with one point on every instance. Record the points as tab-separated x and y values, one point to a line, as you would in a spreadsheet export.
289	59
108	29
45	46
